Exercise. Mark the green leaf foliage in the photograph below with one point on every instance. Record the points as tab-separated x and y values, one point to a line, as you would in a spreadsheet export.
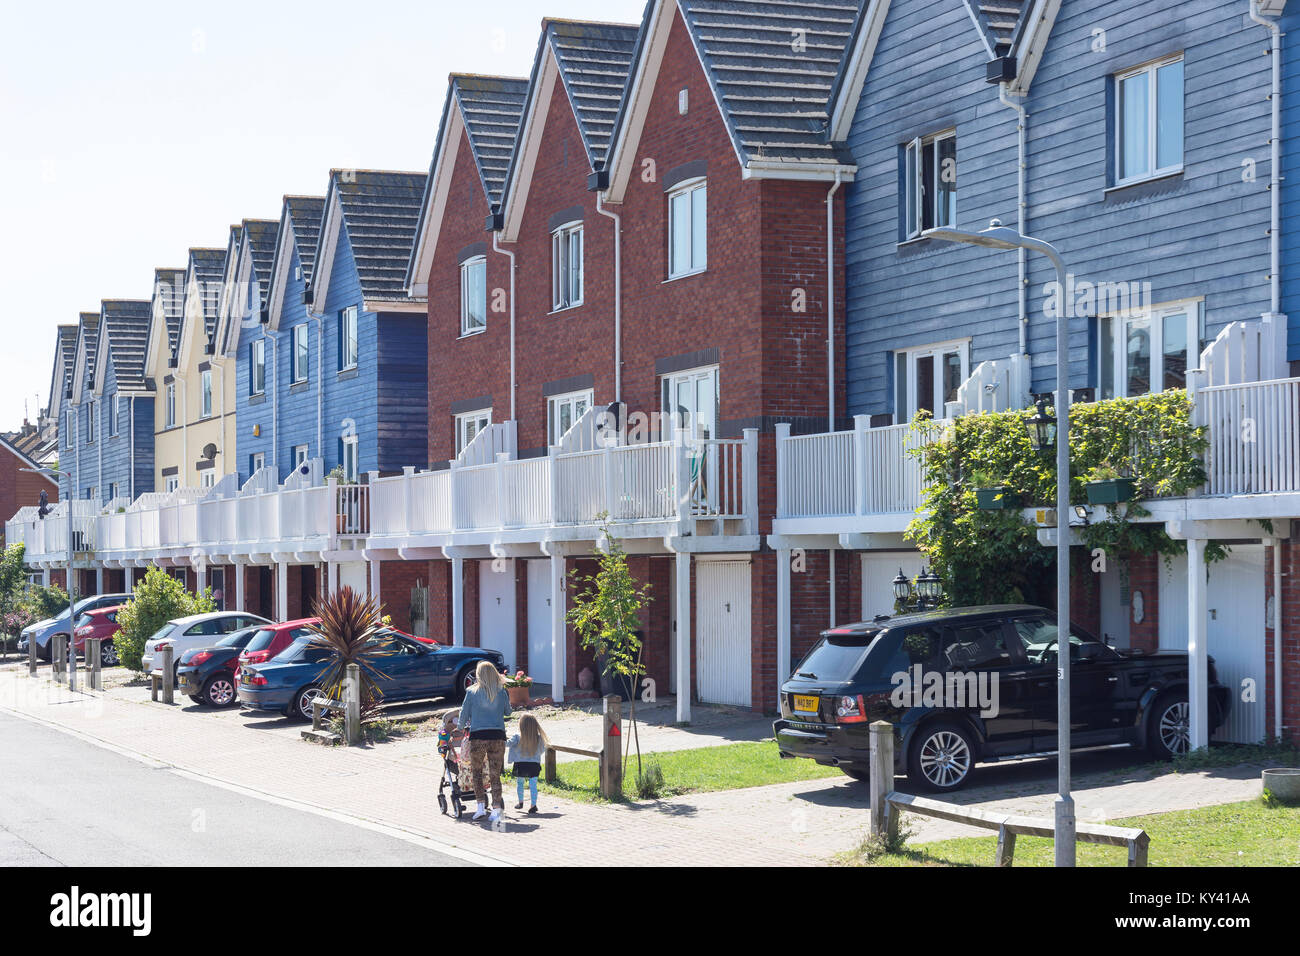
157	599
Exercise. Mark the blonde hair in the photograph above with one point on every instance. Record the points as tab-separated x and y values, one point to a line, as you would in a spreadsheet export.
487	679
531	735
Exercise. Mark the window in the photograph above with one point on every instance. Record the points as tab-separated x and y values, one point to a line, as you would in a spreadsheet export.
470	424
687	220
256	462
112	491
299	455
172	483
300	354
348	347
975	647
350	457
90	423
207	478
566	266
562	411
205	391
928	378
1149	121
69	431
929	183
473	295
690	400
92	493
257	367
171	405
1149	351
113	415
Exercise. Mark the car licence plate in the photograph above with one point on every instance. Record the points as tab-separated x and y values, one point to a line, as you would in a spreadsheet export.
805	703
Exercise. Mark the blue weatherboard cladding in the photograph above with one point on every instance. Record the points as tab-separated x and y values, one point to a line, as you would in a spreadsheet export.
1290	252
60	383
1201	233
125	324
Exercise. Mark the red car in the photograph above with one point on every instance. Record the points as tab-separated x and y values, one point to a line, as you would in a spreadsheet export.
274	638
102	624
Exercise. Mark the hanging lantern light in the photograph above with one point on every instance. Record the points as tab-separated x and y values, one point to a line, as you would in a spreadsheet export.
1042	428
902	587
929	587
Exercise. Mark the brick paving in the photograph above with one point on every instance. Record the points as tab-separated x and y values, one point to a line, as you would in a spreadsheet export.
802	823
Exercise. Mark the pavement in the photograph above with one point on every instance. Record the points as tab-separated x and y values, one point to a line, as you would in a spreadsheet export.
394	785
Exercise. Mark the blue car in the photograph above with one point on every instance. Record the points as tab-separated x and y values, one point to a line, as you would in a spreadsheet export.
412	669
42	632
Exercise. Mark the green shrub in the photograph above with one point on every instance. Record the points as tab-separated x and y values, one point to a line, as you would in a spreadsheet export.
158	599
650	783
45	602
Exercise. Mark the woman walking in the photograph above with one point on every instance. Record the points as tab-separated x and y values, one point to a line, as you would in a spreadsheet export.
483	714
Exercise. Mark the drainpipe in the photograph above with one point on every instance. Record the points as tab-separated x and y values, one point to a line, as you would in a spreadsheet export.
830	305
185	431
275	404
1275	161
1021	121
496	244
130	477
220	365
1277	638
320	380
99	458
618	294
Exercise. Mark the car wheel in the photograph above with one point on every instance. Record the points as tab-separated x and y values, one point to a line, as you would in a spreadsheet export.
861	776
940	757
464	681
108	654
302	702
1170	734
219	691
197	698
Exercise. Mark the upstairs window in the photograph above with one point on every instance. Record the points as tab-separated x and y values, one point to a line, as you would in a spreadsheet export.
349	349
205	393
562	411
929	183
929	378
566	266
69	430
170	403
470	424
1149	350
301	353
473	295
687	229
113	415
350	456
257	367
1149	121
90	423
171	484
207	478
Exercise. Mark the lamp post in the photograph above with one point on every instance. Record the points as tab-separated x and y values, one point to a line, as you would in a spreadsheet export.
997	236
928	591
72	588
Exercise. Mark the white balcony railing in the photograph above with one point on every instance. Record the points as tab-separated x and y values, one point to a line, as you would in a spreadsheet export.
1254	435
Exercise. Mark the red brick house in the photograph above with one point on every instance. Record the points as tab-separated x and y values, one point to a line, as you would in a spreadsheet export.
19	488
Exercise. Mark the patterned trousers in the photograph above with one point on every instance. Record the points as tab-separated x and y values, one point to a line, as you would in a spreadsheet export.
486	759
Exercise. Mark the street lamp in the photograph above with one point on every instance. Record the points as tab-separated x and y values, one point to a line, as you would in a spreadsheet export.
72	587
998	236
1042	428
928	591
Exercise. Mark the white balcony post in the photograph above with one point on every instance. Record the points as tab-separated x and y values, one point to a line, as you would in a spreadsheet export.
335	509
332	577
749	478
782	620
607	465
683	636
499	476
408	492
374	579
453	484
200	577
861	479
99	580
552	478
282	590
782	479
1197	644
241	573
458	602
559	628
45	578
683	478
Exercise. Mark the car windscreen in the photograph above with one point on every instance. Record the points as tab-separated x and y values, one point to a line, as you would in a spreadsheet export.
161	632
238	639
303	651
836	656
84	620
261	640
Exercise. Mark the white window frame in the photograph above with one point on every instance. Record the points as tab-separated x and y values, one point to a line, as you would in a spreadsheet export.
469	424
169	420
697	259
171	483
208	478
205	393
301	455
917	197
350	341
257	367
566	282
467	268
112	421
69	429
905	404
92	493
351	458
577	404
90	422
668	389
301	350
257	461
1114	327
112	490
1150	70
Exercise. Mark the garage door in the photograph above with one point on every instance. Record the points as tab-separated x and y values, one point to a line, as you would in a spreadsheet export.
496	607
722	629
879	568
1235	605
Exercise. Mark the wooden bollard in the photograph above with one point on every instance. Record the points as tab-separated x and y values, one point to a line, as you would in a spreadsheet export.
72	663
352	705
31	656
94	674
56	657
168	675
611	748
550	765
884	819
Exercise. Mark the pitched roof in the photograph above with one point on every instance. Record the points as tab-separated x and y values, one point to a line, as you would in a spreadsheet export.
169	293
260	235
594	61
64	352
125	325
491	108
88	335
999	22
304	215
772	64
209	266
381	212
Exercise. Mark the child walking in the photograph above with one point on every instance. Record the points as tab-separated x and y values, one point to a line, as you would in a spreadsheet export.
527	749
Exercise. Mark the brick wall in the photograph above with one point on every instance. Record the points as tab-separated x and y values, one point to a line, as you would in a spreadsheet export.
19	488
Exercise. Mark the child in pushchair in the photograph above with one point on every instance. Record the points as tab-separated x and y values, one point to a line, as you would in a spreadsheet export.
450	739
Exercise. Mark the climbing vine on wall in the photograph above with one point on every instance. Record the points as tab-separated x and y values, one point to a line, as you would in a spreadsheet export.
986	557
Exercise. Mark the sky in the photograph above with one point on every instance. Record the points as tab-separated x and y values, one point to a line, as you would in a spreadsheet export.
133	131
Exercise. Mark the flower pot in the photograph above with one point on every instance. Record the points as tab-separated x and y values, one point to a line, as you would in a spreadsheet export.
996	498
1111	491
1284	784
518	696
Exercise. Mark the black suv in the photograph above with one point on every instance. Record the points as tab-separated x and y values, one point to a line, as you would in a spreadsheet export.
978	683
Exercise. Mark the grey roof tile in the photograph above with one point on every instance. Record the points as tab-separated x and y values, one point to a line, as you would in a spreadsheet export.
304	216
65	353
594	61
492	108
125	322
169	293
88	328
1000	21
381	212
208	267
261	235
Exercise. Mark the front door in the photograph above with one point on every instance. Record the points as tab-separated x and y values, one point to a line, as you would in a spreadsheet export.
723	634
496	607
539	621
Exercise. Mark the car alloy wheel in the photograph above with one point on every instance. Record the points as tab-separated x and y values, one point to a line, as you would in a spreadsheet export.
107	654
945	759
1175	728
305	697
220	691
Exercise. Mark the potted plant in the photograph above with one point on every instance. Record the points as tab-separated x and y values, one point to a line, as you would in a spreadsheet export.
990	495
1106	486
518	687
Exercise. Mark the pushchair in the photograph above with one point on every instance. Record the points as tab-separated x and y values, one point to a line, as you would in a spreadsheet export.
451	776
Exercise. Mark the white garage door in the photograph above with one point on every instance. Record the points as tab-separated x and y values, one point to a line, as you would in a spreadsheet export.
355	575
539	621
879	568
496	607
722	629
1235	605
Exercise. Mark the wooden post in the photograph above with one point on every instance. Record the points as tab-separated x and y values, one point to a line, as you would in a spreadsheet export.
1006	847
1137	849
72	663
550	765
31	655
56	657
94	677
352	705
168	675
884	819
611	748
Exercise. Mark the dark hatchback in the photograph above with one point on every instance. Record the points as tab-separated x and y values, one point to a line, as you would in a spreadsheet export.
855	675
209	675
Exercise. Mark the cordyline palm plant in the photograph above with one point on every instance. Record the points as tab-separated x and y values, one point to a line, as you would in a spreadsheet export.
349	624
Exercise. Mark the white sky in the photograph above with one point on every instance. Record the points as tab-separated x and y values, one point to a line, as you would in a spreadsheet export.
130	132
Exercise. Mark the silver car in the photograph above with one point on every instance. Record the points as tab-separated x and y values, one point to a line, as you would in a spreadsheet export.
42	631
193	632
